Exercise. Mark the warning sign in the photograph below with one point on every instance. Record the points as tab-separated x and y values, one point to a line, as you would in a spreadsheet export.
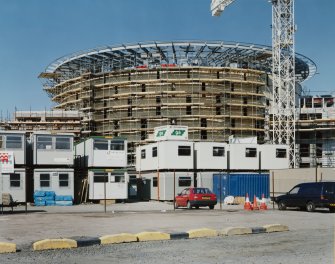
6	162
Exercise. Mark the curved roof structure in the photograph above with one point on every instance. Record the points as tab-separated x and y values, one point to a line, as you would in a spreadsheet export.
180	53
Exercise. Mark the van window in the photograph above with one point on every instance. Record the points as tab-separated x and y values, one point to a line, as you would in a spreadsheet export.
295	190
329	189
1	142
310	189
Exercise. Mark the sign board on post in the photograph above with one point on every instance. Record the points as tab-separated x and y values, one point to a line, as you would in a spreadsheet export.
6	162
171	133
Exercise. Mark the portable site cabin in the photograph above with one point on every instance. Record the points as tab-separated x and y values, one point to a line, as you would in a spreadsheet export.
15	142
102	152
52	149
15	184
162	184
165	155
108	183
203	161
12	163
59	180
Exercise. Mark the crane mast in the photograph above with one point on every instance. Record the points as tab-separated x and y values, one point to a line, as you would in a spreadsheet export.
283	75
283	71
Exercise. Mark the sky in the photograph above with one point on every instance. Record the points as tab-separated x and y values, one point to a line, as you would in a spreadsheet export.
34	33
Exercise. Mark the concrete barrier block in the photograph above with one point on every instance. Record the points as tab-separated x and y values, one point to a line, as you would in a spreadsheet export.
275	228
7	247
151	236
202	232
61	243
232	231
118	238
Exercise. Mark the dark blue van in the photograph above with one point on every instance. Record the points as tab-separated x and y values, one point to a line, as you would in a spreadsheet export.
309	196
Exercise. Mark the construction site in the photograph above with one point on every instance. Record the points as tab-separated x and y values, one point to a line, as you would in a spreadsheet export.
217	89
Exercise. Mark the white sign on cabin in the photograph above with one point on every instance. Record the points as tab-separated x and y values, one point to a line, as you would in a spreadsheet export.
6	162
171	133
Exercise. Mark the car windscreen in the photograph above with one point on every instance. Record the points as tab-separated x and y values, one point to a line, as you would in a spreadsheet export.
201	191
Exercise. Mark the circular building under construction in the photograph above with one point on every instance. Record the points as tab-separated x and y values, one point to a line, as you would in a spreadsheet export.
217	89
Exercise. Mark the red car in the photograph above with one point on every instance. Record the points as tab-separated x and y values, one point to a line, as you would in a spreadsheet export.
195	197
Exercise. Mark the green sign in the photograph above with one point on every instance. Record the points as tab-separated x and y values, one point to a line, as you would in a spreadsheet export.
178	132
161	133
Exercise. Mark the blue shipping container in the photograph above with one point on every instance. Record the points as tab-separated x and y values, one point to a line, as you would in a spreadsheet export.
241	184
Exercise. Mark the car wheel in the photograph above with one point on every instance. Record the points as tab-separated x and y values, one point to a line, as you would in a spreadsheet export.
176	205
211	207
310	206
197	207
332	210
281	205
189	205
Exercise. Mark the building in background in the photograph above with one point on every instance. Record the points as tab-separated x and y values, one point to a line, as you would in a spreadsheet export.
56	121
217	89
315	130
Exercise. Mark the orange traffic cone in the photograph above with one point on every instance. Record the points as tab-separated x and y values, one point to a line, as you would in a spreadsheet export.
263	205
247	204
255	205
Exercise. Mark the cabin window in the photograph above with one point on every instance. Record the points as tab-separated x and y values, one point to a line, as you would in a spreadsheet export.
218	151
100	177
63	143
14	179
251	152
100	144
184	181
44	142
281	153
13	142
45	180
154	182
154	152
143	154
114	145
63	180
184	150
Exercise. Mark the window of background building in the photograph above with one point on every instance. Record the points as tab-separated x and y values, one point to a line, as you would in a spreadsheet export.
1	142
14	179
184	150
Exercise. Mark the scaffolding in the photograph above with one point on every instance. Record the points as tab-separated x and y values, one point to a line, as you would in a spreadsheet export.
217	89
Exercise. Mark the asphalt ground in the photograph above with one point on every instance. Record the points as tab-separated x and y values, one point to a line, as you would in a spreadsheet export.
90	220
